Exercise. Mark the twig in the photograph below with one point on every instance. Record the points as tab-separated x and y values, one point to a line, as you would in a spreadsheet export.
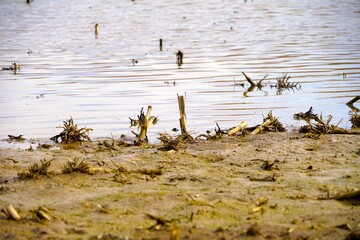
160	222
110	146
321	126
200	203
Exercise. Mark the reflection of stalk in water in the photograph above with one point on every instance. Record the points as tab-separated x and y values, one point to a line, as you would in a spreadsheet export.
254	85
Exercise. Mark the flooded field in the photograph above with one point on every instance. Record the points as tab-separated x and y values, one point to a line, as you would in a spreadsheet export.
67	70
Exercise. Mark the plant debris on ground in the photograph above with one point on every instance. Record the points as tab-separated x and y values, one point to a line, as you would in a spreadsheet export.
36	170
355	120
71	133
76	165
274	124
171	143
316	124
211	189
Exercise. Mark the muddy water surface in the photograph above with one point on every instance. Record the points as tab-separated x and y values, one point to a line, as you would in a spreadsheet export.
70	71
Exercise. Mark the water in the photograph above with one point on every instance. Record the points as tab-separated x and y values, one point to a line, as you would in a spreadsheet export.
70	72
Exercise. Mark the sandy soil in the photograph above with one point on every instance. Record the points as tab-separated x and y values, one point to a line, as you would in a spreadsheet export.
206	190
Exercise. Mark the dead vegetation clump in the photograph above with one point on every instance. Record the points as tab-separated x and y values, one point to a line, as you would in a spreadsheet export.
316	124
218	133
120	173
36	170
71	133
76	165
275	125
355	117
13	67
171	143
270	124
306	116
283	83
355	120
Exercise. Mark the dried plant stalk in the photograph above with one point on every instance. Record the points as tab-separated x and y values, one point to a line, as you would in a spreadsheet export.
270	124
11	213
238	128
171	143
143	122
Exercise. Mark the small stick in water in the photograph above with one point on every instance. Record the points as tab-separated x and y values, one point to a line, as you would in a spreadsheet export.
161	44
179	57
96	29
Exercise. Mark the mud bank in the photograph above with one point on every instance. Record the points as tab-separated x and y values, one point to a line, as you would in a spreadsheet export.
267	186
